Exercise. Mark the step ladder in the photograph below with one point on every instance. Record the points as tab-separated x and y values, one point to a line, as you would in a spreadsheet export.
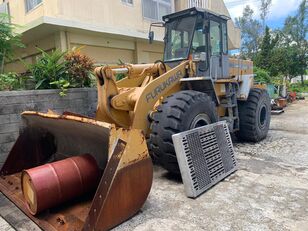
230	103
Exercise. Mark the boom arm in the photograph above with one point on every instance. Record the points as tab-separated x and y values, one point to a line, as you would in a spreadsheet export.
128	102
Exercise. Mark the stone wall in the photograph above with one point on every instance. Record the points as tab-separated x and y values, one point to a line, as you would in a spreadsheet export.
82	101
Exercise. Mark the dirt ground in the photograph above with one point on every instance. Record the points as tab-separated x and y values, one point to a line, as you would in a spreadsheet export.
268	192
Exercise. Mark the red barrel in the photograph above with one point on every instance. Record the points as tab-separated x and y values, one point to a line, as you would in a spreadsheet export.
51	184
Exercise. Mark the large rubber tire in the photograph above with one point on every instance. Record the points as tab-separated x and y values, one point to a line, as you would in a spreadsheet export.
255	116
177	113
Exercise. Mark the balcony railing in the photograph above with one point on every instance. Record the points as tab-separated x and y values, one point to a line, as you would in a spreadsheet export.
198	3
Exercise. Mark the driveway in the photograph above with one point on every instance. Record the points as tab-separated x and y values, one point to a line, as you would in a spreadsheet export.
268	192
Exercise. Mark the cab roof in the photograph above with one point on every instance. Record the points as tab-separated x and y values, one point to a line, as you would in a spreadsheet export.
194	11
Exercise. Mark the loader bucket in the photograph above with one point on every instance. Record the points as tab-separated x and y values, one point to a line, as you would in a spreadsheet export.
121	154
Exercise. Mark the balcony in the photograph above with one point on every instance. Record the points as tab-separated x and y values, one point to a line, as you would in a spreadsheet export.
198	3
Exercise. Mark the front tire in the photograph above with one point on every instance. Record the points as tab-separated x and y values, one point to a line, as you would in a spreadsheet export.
180	112
255	116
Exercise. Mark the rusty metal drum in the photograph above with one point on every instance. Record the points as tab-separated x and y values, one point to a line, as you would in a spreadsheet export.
51	184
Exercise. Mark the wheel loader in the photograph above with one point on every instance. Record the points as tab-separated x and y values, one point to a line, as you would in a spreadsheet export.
195	84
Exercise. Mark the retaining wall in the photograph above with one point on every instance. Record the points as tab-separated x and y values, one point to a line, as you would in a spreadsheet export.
12	103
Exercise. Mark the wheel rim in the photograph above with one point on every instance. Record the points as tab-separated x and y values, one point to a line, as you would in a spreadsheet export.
263	116
200	120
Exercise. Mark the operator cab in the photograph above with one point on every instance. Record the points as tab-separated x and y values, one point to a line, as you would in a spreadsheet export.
199	35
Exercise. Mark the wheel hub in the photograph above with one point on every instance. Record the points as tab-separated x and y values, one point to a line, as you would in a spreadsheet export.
200	120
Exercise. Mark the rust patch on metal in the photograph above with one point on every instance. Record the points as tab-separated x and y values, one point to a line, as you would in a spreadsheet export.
127	194
30	149
104	186
67	217
52	184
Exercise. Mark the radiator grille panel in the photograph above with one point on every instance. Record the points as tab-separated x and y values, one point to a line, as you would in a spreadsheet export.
205	156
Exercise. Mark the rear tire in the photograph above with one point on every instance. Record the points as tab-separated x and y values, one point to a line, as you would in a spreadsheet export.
255	116
180	112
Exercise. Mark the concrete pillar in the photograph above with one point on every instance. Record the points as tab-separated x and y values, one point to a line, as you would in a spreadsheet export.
61	41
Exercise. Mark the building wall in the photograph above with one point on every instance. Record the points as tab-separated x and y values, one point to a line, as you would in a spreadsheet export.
101	48
110	14
104	48
81	101
29	53
108	50
21	17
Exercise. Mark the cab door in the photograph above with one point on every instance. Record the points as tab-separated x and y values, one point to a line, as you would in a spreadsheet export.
219	66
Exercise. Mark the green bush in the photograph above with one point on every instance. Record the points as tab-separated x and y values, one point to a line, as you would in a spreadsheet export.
9	81
62	70
298	87
48	68
261	75
9	40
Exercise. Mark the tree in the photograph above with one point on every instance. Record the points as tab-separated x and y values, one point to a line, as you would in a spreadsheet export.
284	61
263	59
9	40
265	9
251	33
295	32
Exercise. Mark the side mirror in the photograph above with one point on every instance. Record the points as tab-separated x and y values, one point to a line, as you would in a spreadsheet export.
151	33
151	37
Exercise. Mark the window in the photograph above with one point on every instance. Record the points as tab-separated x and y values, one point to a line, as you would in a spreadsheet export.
215	38
156	9
128	2
31	4
179	35
197	3
199	43
224	38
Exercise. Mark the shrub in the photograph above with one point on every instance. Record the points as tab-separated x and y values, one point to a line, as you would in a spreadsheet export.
9	40
261	75
79	67
9	81
61	70
48	68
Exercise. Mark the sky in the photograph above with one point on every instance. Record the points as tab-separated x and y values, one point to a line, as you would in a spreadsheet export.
279	10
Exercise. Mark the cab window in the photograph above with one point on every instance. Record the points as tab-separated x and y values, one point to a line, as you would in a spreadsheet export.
198	44
215	38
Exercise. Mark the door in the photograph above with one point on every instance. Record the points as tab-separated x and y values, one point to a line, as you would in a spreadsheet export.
215	50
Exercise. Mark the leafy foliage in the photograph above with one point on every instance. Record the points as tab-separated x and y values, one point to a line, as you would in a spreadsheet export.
263	59
61	70
295	31
281	53
63	85
264	9
48	68
299	87
261	75
9	81
9	40
251	33
79	67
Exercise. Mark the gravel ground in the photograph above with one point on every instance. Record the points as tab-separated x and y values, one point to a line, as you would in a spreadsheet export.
268	192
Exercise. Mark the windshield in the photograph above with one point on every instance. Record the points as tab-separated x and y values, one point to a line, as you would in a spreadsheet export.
178	38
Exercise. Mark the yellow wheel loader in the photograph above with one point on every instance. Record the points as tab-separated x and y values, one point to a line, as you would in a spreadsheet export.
194	85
